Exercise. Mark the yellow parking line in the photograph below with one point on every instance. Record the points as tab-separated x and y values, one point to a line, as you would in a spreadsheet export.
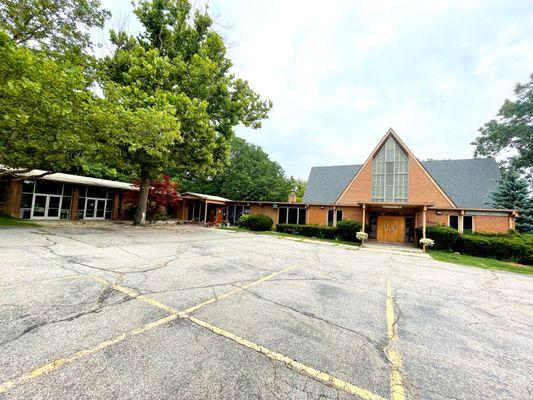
293	364
120	338
196	307
395	359
67	360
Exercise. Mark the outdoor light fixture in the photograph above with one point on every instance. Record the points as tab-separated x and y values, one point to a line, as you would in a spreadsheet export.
392	207
439	212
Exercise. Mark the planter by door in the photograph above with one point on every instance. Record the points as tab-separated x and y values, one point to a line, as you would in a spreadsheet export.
391	229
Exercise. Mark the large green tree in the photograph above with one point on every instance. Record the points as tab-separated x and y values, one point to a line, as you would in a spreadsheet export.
512	131
60	26
177	67
249	175
513	194
49	119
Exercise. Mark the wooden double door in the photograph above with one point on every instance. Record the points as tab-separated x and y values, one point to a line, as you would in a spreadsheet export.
391	229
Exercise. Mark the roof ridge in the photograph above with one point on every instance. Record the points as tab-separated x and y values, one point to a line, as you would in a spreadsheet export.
461	159
340	165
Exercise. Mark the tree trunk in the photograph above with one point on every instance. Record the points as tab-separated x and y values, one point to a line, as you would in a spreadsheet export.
140	214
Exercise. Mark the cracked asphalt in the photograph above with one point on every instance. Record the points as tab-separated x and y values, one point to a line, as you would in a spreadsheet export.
463	333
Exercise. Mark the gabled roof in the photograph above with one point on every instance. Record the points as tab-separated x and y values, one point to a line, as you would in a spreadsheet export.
325	184
465	183
469	182
75	179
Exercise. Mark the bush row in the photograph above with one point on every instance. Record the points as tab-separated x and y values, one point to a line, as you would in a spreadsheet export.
345	230
506	247
256	222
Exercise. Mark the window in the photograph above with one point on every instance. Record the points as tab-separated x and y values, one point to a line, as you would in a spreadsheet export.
390	173
45	199
339	215
467	223
454	222
291	215
301	216
235	212
3	190
331	213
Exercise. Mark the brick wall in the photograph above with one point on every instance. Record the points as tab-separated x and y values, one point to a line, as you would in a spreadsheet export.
265	209
422	189
491	223
359	189
317	215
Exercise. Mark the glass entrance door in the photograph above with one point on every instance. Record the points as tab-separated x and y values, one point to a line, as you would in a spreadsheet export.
94	208
46	206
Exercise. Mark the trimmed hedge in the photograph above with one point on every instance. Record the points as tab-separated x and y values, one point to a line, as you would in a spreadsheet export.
445	237
347	230
501	246
256	222
318	231
505	248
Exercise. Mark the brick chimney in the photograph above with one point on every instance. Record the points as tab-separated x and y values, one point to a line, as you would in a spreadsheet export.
292	196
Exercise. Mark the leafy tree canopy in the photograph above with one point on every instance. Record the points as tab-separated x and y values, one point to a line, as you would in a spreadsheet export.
512	130
48	116
176	102
249	175
60	26
512	193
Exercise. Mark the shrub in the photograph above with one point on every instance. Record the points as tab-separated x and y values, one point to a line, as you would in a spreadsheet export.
347	230
445	238
256	222
502	247
318	231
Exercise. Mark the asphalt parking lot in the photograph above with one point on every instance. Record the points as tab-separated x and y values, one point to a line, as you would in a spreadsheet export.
119	312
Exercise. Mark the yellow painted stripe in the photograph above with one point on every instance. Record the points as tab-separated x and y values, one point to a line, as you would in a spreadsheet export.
293	364
196	307
239	289
117	339
67	360
395	359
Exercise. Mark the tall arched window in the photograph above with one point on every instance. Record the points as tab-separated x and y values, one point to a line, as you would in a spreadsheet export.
390	173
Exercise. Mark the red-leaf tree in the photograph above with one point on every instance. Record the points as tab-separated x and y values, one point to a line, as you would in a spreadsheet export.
162	196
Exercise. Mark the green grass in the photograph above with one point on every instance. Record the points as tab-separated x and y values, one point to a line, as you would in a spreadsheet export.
487	263
300	238
8	221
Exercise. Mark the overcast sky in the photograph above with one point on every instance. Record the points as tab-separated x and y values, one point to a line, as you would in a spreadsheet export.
340	73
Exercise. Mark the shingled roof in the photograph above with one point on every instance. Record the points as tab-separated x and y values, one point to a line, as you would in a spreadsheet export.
468	183
325	184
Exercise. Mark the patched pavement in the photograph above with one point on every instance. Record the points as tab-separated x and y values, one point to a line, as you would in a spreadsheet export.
112	311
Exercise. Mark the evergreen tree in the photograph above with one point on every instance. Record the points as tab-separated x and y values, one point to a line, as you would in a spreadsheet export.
513	193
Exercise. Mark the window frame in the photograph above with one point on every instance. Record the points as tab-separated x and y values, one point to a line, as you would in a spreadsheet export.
450	221
286	212
390	173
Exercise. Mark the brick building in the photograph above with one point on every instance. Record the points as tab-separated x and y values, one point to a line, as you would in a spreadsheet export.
394	193
42	196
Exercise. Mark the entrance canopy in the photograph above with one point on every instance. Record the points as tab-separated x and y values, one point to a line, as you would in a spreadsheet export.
206	208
